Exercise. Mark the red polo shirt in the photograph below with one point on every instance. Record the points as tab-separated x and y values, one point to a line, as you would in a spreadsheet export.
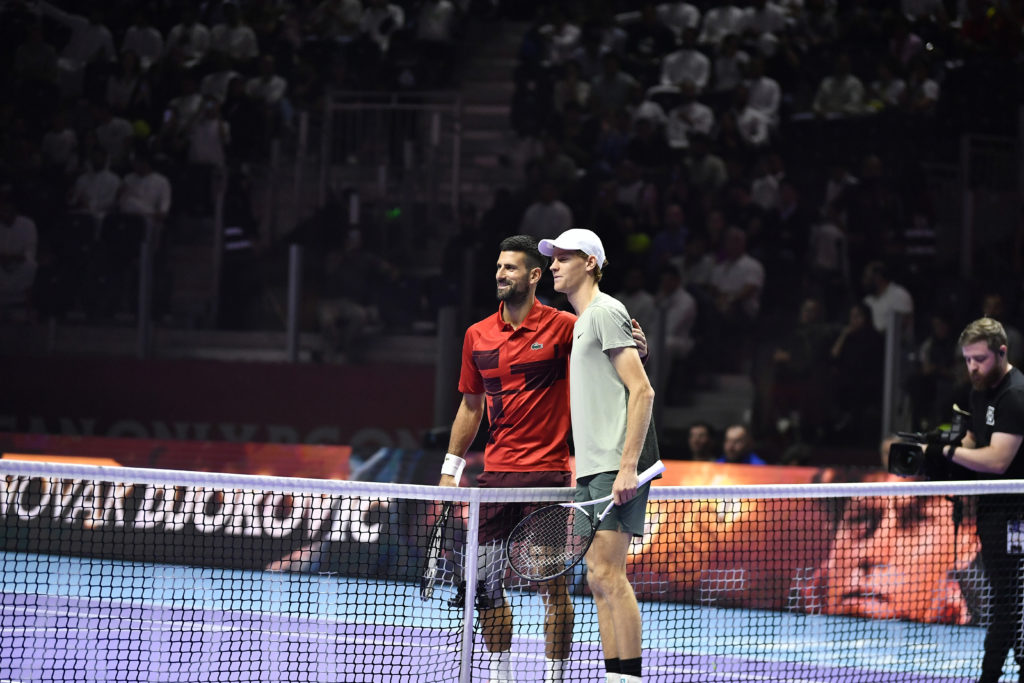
524	374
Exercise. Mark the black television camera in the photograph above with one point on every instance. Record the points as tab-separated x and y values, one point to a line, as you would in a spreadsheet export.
920	453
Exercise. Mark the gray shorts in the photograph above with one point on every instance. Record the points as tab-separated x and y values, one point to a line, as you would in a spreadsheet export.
629	517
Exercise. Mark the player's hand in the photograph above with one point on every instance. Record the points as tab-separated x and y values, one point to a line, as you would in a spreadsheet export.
640	338
625	486
447	480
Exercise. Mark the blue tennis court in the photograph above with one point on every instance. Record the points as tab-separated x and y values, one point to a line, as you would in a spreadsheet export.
69	619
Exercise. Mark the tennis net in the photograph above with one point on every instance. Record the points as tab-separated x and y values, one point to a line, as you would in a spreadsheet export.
126	574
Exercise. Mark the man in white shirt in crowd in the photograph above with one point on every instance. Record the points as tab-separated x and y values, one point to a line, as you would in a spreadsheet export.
143	39
189	41
884	297
145	191
233	37
687	63
96	187
689	116
547	215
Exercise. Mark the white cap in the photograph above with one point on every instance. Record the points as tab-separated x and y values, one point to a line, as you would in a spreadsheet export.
575	239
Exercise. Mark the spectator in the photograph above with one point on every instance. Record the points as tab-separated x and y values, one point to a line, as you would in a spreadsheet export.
738	447
697	264
571	87
728	66
612	89
548	215
669	243
800	369
336	20
435	39
270	90
701	440
763	92
649	40
96	188
561	35
687	63
208	138
127	90
736	285
931	383
765	22
828	264
858	357
18	243
885	297
145	192
678	310
679	16
347	308
113	133
637	300
753	126
690	116
840	94
189	40
888	90
380	20
89	43
922	90
59	147
234	38
646	145
738	279
215	83
720	21
179	113
35	67
706	170
143	39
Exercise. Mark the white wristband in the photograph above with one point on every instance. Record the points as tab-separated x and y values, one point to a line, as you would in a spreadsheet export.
453	465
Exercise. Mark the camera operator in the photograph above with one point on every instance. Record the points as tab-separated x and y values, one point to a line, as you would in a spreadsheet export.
991	447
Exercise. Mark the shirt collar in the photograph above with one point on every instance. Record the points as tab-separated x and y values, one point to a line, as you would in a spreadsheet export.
532	321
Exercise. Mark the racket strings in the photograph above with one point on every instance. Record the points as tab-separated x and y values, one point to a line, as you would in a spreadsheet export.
548	541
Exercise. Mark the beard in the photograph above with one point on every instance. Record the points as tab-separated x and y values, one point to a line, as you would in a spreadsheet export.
514	295
988	380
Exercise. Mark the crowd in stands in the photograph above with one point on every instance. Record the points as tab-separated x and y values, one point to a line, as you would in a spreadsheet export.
756	171
755	168
118	117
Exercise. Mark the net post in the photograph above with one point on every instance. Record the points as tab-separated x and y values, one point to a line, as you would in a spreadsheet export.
472	552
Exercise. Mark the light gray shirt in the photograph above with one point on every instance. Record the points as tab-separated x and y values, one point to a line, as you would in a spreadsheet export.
597	396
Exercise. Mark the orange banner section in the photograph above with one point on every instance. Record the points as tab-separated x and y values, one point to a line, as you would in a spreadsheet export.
288	460
891	557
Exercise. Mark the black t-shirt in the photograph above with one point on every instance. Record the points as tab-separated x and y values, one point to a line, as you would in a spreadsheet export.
1000	409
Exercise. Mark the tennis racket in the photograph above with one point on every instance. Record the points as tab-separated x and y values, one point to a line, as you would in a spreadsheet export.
553	539
435	546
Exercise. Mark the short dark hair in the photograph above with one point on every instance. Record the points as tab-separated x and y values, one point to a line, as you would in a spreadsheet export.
528	247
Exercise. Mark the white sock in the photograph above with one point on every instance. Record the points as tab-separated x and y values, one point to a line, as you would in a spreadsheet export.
553	670
611	678
623	678
501	669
